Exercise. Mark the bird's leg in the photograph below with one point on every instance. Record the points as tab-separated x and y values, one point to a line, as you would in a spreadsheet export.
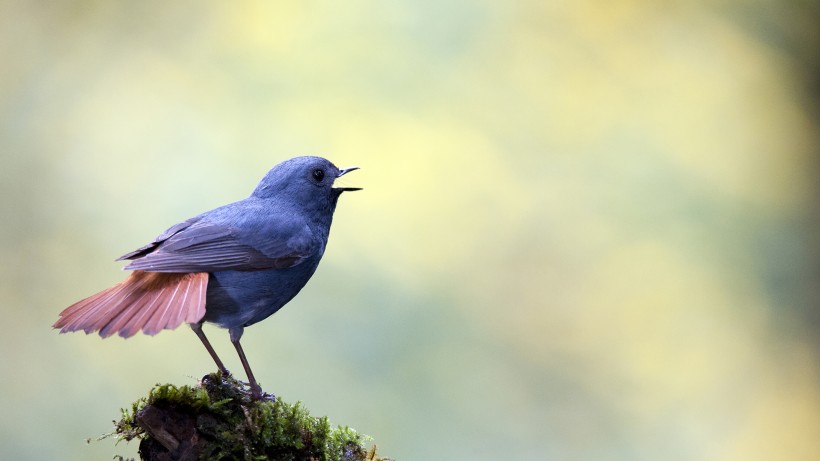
256	390
197	327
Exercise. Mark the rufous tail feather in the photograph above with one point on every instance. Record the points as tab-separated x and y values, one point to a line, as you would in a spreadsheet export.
146	301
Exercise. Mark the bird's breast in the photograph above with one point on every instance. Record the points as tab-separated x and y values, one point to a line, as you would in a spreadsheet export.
242	298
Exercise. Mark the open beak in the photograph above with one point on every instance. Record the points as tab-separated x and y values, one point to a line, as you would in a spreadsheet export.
343	172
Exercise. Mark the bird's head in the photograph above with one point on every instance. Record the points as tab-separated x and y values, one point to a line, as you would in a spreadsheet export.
306	180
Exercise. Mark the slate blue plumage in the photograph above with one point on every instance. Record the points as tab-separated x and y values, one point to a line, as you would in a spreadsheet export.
270	243
257	253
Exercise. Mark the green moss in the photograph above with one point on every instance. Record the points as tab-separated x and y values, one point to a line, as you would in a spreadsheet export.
218	420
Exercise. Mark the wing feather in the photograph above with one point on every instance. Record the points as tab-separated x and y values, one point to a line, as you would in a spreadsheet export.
203	245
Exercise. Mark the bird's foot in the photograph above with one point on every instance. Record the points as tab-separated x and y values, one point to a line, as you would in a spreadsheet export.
251	391
257	394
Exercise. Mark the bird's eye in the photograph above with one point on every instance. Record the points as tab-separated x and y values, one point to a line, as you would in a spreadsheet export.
318	174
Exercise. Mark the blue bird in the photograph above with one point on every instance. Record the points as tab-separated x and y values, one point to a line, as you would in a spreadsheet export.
233	266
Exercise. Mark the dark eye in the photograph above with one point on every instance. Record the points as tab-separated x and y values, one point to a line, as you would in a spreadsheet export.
318	174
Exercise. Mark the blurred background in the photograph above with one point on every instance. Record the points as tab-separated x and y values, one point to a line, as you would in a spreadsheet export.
588	229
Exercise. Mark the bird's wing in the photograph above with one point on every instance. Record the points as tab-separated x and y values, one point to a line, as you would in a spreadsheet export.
144	250
253	242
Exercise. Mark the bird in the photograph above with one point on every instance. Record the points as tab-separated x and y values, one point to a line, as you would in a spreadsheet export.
232	266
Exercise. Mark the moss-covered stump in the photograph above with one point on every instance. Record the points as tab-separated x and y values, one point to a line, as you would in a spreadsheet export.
217	420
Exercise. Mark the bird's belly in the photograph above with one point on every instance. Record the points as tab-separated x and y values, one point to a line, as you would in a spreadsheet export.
242	298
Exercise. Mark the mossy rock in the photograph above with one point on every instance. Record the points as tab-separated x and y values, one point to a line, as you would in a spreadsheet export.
217	420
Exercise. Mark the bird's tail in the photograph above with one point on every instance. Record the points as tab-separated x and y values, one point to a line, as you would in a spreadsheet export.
147	301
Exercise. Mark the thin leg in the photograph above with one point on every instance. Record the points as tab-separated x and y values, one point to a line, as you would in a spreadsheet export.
197	327
256	391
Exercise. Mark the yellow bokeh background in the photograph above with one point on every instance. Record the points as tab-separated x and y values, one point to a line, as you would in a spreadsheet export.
587	230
